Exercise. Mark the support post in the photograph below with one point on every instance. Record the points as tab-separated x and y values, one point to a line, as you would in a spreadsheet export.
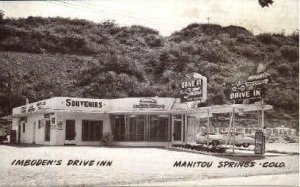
185	127
262	115
228	140
233	126
10	92
207	128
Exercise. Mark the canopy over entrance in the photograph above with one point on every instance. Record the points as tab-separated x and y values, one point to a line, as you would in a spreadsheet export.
217	109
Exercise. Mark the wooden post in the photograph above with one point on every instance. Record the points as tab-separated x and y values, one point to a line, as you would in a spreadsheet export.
185	127
262	115
10	92
207	128
229	130
195	128
233	125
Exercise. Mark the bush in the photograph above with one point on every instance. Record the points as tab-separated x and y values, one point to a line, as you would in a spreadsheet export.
290	52
200	148
107	139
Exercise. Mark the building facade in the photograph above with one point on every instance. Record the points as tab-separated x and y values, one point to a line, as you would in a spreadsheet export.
81	121
151	121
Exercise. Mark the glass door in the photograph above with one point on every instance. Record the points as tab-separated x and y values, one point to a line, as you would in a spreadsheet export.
136	128
177	128
70	132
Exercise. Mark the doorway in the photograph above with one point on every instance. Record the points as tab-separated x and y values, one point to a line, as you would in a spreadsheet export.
34	129
70	132
19	134
178	128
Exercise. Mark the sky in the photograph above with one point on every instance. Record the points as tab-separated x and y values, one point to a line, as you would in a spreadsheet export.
168	16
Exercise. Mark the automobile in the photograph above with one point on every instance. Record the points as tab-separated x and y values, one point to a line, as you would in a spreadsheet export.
2	134
219	139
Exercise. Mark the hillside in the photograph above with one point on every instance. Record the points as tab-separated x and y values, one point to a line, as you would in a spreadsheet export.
61	57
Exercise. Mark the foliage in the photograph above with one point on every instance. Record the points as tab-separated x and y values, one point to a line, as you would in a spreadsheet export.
69	57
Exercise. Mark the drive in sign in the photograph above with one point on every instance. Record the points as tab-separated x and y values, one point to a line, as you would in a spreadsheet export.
246	94
247	90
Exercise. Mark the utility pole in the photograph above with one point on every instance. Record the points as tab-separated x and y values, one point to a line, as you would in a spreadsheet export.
10	91
208	18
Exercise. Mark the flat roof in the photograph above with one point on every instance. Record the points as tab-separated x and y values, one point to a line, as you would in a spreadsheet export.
130	105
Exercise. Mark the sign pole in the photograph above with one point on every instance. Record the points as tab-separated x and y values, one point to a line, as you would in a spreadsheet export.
233	126
207	127
229	130
262	114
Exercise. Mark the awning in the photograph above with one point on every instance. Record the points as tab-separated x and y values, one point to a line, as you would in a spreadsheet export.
217	109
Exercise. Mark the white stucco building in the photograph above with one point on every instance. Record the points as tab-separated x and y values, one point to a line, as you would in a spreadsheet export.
147	121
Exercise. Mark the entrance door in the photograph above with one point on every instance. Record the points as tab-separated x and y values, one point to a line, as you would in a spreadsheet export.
70	132
19	134
34	128
177	128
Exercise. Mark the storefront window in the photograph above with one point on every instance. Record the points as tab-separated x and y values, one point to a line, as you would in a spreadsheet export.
158	128
136	127
92	130
140	127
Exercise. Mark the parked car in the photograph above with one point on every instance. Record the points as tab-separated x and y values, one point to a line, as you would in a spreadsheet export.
219	139
2	134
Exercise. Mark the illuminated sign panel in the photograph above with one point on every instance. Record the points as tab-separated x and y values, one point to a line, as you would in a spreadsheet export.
194	88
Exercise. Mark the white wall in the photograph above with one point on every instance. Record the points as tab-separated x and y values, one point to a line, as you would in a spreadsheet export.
78	117
29	136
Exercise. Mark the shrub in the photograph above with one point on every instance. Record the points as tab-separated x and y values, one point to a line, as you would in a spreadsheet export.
200	148
290	52
107	139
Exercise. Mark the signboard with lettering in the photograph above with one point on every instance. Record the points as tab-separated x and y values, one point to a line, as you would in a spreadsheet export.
148	103
60	125
33	107
246	90
259	143
63	103
194	88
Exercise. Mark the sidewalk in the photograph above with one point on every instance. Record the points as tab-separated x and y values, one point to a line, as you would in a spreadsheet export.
262	180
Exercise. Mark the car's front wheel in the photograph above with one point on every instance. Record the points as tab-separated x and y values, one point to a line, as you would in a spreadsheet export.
215	143
246	144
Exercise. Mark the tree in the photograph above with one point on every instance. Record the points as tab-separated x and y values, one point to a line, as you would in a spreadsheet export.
1	15
264	3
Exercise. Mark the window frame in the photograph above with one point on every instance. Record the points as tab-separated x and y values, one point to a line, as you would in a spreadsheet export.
89	134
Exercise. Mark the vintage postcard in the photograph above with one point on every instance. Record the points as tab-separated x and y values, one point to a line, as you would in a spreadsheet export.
149	93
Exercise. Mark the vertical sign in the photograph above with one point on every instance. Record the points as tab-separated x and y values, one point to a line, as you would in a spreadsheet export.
259	143
194	88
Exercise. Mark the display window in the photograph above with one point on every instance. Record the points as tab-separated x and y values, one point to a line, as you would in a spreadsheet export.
92	130
136	128
159	128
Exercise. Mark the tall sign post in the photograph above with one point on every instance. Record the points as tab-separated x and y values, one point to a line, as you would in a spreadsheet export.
253	88
193	90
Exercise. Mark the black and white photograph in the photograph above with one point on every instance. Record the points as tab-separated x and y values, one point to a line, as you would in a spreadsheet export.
149	93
